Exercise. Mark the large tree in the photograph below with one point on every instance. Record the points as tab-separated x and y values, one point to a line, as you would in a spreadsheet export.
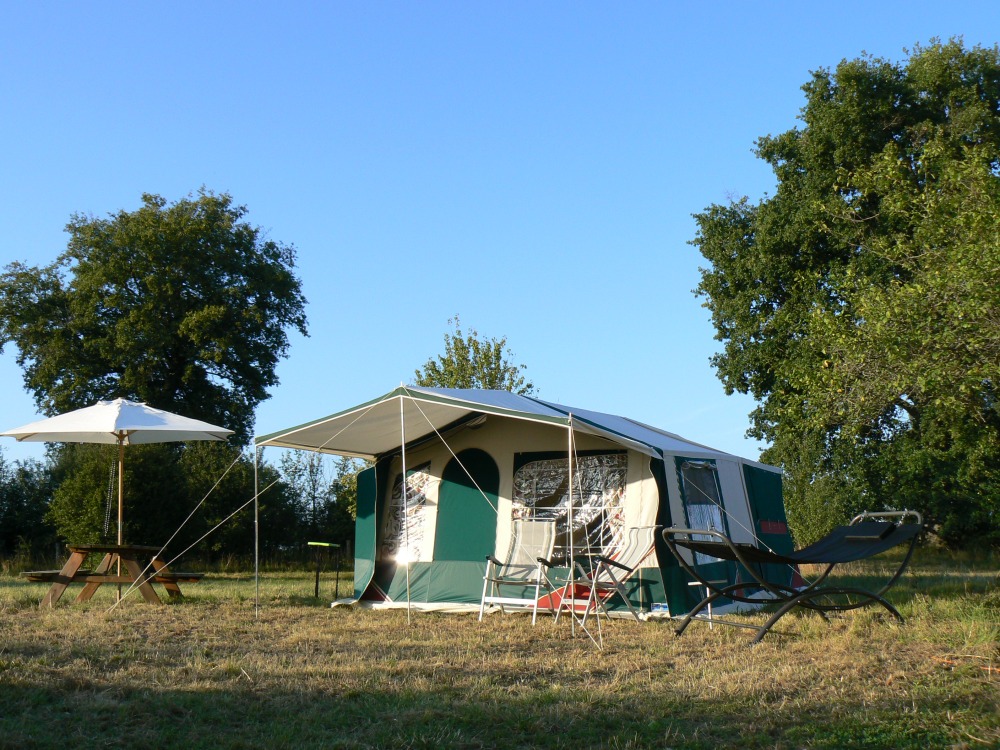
860	303
473	362
183	305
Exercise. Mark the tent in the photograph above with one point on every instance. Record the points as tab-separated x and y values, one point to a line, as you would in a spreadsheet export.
452	468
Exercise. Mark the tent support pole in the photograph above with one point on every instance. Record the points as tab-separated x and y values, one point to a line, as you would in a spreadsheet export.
256	533
569	528
406	519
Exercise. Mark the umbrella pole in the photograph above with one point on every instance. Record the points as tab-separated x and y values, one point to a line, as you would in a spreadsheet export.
121	489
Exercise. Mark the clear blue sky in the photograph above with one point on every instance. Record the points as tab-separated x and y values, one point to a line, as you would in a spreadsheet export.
532	167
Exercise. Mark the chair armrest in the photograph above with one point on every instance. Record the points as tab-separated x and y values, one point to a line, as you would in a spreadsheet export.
881	534
898	515
609	561
493	560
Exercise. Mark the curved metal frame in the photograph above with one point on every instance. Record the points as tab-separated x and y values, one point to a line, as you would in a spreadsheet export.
787	596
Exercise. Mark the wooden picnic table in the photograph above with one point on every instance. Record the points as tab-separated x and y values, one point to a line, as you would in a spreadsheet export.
134	558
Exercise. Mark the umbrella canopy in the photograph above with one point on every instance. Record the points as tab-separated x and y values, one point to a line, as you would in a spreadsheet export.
119	422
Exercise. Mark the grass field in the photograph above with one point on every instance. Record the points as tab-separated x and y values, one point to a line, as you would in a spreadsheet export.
208	672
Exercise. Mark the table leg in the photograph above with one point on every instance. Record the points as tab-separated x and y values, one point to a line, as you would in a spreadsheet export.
171	586
144	586
90	588
64	579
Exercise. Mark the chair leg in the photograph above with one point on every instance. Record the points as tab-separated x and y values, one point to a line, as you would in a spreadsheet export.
805	601
706	602
592	602
486	587
538	591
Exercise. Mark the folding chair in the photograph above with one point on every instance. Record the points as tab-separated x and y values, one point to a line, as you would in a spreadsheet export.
867	535
608	577
530	549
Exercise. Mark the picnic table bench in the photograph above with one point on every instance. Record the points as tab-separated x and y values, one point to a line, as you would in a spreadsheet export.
134	558
87	576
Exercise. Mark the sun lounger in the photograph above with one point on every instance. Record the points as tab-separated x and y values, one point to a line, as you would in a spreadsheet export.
867	535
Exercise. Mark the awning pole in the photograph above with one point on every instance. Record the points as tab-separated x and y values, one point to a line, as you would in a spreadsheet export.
256	533
569	514
406	520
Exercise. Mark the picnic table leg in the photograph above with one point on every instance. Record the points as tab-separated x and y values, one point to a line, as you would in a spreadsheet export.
144	586
171	586
90	588
64	578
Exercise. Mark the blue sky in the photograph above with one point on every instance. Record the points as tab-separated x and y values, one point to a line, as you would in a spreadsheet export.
531	167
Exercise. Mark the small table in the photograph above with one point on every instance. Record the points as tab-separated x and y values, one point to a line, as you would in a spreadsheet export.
133	557
319	564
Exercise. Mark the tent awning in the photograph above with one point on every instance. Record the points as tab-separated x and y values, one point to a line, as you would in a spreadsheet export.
373	428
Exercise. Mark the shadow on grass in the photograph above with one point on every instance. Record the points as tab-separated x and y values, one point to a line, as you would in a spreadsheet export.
78	712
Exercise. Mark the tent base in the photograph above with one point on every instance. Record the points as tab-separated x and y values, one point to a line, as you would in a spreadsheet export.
414	606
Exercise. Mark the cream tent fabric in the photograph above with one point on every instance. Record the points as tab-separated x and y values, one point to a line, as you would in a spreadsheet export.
453	470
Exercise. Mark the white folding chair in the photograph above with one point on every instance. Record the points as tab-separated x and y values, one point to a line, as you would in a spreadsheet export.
523	570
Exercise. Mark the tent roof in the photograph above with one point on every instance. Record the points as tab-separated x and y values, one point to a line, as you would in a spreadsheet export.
373	428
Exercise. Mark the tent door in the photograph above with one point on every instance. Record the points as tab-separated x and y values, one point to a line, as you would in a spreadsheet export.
466	520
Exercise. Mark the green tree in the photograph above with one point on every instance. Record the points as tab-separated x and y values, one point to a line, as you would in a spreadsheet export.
859	304
184	306
327	495
473	362
224	478
172	492
24	495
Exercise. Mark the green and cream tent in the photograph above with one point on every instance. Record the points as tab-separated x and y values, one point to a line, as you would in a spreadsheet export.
451	469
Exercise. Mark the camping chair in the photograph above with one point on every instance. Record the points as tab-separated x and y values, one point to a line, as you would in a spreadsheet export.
865	536
608	577
530	549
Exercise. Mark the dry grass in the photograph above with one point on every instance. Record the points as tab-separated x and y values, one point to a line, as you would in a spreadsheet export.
208	673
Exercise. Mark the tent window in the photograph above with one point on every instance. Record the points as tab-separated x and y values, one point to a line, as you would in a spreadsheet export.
702	500
541	491
403	535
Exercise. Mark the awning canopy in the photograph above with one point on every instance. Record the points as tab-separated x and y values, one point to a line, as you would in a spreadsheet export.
372	429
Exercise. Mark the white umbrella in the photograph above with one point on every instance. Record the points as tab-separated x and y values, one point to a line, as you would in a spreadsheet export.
118	422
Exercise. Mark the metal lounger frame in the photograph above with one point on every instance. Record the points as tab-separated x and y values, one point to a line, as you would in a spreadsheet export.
789	597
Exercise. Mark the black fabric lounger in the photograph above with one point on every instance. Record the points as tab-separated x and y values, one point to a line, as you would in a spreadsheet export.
867	535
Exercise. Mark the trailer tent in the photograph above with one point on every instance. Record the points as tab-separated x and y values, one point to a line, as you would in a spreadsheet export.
452	468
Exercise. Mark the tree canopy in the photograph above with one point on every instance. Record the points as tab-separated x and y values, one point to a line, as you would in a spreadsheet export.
860	303
473	362
184	306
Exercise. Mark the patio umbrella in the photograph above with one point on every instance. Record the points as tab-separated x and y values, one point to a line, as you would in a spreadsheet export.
119	422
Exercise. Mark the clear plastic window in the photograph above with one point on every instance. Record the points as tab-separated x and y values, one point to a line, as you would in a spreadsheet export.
541	491
403	537
702	500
